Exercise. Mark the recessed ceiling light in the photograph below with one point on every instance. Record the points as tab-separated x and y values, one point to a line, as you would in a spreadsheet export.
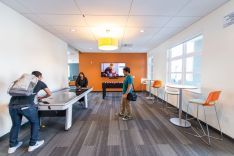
141	30
73	30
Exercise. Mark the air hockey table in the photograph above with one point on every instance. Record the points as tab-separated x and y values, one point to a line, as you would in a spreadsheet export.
61	102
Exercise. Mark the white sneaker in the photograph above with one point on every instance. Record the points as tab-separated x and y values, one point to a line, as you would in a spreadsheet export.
126	118
13	149
37	145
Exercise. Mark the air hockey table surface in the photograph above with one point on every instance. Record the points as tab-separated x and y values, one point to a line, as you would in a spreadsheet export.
63	97
61	102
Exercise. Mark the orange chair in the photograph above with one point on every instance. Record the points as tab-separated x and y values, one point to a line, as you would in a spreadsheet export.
211	101
156	85
72	83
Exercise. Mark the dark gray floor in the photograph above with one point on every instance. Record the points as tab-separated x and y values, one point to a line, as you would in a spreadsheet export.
98	131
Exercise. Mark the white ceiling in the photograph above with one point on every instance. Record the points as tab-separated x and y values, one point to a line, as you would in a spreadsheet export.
160	19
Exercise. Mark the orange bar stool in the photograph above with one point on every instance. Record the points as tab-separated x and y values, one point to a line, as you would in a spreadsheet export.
210	101
156	85
72	83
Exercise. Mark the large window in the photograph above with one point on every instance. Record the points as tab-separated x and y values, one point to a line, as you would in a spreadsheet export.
184	62
150	67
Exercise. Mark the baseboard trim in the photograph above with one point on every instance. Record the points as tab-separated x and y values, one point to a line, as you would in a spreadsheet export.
6	136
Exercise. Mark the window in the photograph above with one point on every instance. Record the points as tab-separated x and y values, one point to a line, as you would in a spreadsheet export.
184	62
177	51
150	67
68	71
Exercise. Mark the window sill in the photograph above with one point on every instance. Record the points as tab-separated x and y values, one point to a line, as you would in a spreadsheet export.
195	91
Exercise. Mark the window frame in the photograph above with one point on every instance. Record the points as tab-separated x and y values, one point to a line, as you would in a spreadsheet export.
184	57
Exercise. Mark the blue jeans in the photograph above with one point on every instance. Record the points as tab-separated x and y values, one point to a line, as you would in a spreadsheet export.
31	113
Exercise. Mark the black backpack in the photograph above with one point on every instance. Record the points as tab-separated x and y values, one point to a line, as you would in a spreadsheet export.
132	96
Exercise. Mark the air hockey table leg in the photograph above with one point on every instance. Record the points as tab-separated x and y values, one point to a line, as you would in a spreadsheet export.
86	101
68	118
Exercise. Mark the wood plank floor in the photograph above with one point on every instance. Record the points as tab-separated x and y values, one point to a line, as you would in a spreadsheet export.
97	131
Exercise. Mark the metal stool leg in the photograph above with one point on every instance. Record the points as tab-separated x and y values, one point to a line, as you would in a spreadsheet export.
197	134
154	99
166	104
207	127
221	133
164	107
204	133
157	95
165	100
207	133
177	100
186	116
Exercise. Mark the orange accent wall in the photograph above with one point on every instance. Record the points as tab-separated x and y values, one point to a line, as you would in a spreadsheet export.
90	64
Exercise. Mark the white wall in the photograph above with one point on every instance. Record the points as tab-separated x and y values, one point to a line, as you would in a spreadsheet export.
73	55
217	63
25	47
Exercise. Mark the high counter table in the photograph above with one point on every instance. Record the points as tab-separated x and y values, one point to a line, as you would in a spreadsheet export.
179	121
61	102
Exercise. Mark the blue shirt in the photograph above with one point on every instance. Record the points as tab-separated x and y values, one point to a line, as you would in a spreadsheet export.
127	81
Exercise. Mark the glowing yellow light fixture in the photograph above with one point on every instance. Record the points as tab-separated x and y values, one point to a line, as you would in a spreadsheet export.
107	43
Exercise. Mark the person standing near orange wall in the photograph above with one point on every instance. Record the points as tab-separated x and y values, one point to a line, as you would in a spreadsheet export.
125	103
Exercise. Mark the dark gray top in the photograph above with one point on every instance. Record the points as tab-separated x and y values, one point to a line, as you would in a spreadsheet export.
22	101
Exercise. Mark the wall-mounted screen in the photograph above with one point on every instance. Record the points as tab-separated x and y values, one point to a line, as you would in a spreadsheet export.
112	69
